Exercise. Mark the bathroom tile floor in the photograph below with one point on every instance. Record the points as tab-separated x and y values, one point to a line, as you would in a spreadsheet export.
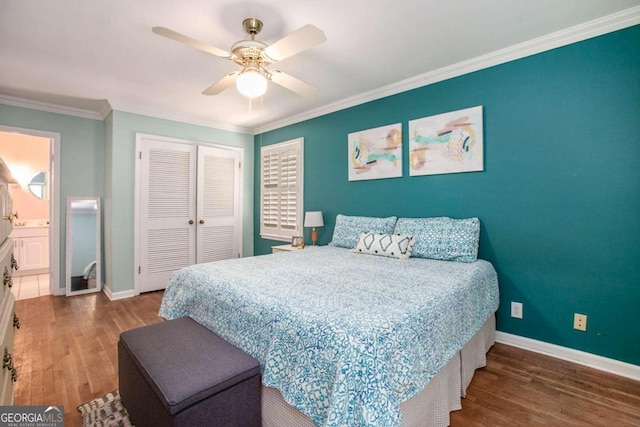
25	287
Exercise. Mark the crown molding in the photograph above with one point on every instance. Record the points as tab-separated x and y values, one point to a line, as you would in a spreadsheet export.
105	111
108	108
584	31
185	119
53	108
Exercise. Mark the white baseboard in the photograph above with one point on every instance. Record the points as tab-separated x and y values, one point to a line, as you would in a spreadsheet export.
605	364
117	295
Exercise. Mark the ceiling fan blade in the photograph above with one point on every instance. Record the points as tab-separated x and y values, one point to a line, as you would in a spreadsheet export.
221	84
301	39
170	34
291	83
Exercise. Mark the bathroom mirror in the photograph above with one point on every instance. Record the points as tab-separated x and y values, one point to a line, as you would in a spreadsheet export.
38	185
83	245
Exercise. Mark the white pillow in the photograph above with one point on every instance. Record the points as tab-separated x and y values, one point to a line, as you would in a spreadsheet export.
389	245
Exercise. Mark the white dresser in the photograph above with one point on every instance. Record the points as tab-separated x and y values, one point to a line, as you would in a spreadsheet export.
8	320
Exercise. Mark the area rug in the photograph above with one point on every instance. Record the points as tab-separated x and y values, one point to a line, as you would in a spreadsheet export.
105	411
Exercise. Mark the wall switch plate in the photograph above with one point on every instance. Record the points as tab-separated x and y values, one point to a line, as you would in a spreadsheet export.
516	309
580	321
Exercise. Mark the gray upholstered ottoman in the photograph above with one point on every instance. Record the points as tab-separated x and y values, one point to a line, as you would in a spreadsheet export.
178	373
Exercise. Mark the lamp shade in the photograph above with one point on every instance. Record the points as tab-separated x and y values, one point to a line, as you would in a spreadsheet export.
313	219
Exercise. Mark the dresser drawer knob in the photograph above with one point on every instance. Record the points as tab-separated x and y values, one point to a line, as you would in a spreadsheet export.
7	363
16	321
7	360
6	278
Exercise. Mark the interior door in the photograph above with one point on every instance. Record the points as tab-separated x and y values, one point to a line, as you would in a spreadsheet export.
218	228
167	208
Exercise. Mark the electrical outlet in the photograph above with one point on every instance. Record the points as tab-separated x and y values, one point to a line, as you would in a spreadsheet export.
516	309
580	321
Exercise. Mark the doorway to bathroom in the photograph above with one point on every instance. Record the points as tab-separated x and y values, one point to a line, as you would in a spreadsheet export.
31	158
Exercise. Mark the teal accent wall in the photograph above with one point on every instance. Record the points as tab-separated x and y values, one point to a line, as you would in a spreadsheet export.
559	199
119	186
81	157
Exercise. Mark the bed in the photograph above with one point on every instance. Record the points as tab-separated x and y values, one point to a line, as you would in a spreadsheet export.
344	338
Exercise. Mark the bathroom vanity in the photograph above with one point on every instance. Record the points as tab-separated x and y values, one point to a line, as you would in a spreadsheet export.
31	248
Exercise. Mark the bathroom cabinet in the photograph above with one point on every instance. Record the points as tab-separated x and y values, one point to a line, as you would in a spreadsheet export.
31	249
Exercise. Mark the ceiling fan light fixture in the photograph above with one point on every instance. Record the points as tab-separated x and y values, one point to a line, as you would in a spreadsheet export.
255	57
251	83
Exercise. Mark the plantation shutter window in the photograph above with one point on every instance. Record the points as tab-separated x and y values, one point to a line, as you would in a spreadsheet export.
281	187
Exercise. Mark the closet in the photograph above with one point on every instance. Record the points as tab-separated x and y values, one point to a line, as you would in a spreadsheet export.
187	207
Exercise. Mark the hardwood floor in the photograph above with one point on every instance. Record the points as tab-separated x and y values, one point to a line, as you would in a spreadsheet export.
523	388
65	350
65	353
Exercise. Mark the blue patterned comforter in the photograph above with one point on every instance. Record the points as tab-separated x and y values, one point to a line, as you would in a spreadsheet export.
345	337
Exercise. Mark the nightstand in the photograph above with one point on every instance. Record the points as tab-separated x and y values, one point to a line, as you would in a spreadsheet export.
283	248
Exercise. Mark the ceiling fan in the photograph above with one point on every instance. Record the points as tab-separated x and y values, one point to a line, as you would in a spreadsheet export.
253	56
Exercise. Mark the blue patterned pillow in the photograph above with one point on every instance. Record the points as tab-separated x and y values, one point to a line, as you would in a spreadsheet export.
389	245
348	229
443	238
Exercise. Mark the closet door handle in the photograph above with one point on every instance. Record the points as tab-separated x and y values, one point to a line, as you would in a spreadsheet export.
190	221
11	217
202	221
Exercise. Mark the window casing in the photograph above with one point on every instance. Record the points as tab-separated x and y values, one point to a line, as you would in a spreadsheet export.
281	185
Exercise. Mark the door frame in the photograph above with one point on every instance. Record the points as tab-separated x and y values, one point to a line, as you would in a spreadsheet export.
136	199
54	202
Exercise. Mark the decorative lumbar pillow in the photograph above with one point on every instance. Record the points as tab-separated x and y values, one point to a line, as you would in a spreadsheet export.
389	245
443	238
348	228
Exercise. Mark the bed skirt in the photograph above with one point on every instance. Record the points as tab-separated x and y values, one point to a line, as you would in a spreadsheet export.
430	407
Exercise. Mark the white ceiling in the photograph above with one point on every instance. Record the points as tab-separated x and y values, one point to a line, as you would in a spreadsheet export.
86	53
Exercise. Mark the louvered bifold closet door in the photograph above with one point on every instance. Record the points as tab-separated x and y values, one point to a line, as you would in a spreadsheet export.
167	206
218	228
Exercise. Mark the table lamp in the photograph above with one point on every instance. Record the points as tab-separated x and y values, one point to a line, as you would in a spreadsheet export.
313	219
